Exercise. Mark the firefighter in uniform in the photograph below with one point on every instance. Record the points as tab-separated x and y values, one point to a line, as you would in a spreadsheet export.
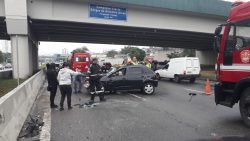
94	80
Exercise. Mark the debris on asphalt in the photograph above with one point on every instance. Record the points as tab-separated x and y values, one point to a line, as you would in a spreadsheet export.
191	96
86	105
32	127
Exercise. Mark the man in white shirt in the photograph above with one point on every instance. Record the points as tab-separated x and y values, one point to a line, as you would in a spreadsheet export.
64	79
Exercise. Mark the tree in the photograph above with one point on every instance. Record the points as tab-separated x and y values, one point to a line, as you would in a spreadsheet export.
184	53
81	50
111	53
134	52
188	53
174	55
1	57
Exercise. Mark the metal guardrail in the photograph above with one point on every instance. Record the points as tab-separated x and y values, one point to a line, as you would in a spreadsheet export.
6	73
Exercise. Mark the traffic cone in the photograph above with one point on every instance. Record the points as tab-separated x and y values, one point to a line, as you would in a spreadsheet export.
207	87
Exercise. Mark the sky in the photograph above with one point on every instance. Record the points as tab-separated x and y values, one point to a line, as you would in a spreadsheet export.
50	48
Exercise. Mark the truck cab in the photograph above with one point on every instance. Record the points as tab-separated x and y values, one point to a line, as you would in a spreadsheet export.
80	61
232	43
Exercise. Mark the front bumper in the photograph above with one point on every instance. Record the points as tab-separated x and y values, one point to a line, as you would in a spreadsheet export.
187	76
217	93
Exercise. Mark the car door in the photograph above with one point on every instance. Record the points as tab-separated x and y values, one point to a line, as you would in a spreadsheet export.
164	71
118	80
189	69
134	77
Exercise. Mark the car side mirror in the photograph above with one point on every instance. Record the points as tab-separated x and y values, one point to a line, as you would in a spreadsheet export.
216	45
217	38
218	30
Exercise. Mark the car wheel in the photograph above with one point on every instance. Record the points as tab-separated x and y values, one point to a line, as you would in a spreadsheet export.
177	79
148	88
158	76
112	92
245	106
192	80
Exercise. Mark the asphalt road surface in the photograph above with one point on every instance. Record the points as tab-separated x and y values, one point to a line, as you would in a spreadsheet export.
169	115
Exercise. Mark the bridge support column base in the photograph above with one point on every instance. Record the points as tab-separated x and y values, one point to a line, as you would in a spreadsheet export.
206	57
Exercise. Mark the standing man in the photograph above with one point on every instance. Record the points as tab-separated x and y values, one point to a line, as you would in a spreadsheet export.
94	80
78	82
148	64
135	62
64	78
52	83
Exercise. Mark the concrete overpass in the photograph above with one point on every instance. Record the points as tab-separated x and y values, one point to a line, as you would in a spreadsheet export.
169	23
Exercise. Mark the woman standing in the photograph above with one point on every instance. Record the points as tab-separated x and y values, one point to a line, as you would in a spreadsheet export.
52	83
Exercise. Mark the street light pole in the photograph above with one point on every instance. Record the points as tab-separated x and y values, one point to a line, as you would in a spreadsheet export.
18	80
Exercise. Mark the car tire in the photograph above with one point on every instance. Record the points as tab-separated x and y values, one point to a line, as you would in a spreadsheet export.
112	92
158	76
148	88
245	106
177	79
192	80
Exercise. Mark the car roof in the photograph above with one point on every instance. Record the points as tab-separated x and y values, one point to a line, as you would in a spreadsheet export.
134	66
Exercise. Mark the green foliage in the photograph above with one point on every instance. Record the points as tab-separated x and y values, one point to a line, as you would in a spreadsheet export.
81	50
111	53
6	85
174	55
188	53
184	53
134	52
1	57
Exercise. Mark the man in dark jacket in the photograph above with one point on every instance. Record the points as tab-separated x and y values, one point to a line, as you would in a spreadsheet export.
94	80
52	83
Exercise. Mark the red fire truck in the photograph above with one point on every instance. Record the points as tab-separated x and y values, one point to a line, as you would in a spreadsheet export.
232	43
80	61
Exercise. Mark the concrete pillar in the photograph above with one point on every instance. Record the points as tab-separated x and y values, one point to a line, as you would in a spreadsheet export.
24	47
21	56
34	47
206	57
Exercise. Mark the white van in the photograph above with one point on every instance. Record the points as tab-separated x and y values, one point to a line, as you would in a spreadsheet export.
180	68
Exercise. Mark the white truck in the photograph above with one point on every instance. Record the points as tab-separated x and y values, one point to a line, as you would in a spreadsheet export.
180	68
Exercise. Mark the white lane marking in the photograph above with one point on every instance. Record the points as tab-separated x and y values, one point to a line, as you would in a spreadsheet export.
143	99
197	91
45	133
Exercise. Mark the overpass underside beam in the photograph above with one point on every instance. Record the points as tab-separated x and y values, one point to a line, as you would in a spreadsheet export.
3	31
62	31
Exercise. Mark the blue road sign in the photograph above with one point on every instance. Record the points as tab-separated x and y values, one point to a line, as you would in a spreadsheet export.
107	12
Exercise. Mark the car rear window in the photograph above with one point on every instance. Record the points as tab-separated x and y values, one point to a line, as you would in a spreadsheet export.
147	71
135	70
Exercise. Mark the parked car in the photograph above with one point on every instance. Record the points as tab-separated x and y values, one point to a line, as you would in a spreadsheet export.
131	78
8	65
180	68
106	66
1	67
